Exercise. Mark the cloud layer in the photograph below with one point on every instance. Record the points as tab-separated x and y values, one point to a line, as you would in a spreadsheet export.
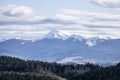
107	3
22	22
13	13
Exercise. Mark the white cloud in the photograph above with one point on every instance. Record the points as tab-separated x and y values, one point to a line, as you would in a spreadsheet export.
107	3
18	13
30	26
27	32
91	23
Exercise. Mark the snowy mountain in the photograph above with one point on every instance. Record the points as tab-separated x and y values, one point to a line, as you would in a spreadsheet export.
58	35
64	47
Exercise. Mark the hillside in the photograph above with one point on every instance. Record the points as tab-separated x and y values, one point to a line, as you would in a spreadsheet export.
18	69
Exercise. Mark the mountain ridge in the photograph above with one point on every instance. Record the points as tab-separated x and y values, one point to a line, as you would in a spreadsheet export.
93	50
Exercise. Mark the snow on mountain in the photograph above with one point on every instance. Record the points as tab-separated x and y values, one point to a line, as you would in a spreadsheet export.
65	48
77	37
92	41
57	34
63	35
76	60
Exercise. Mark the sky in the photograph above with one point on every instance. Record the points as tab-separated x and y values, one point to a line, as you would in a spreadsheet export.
32	19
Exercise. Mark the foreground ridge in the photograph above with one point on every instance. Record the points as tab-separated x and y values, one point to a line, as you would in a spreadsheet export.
12	68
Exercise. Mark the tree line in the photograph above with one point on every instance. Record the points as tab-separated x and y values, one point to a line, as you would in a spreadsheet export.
12	68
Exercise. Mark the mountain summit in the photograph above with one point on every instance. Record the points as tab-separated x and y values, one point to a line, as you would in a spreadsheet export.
57	34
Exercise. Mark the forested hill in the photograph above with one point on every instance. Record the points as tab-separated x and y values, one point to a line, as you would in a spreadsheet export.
18	69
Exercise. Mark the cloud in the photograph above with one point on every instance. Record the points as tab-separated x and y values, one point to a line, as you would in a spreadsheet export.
28	25
89	19
107	3
14	13
91	23
22	15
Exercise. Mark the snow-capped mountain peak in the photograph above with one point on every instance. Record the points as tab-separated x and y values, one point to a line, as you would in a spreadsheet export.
63	35
58	34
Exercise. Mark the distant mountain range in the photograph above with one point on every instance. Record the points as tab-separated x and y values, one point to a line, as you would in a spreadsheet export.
64	47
